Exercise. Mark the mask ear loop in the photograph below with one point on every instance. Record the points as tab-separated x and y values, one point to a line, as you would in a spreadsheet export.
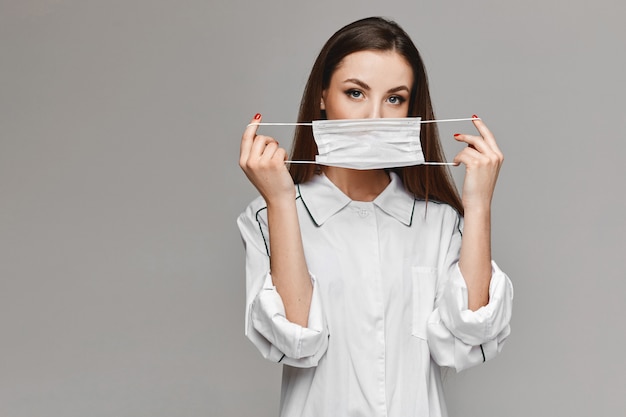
421	121
311	124
423	163
455	164
278	124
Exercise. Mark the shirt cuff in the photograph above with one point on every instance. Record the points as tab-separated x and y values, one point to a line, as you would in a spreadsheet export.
484	324
294	341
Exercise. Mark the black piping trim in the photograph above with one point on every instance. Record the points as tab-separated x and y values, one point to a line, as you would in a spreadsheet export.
305	206
412	212
281	358
482	351
256	216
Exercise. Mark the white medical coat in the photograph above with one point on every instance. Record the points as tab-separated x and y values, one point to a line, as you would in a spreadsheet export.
389	305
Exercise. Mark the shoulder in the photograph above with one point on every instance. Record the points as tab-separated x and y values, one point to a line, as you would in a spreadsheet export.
250	216
436	206
438	212
255	205
256	210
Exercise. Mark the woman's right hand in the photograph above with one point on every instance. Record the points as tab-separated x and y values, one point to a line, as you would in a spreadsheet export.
263	161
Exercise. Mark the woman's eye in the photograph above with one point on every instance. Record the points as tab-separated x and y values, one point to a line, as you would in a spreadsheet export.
396	100
354	94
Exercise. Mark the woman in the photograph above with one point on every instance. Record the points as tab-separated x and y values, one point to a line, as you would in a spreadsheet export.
370	290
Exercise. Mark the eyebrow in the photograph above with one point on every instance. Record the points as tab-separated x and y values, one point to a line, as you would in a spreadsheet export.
364	85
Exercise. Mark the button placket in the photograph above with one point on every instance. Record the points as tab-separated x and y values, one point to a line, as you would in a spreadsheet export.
361	211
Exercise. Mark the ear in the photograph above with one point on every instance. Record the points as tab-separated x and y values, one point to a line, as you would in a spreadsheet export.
322	105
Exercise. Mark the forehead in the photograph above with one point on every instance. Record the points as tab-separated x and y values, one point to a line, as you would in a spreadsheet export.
387	66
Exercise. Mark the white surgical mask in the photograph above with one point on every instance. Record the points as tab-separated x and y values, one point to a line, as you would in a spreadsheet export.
368	143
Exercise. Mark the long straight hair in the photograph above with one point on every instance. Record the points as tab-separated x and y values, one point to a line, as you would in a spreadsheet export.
376	34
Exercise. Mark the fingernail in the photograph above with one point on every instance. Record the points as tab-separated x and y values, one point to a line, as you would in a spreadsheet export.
474	116
257	116
457	135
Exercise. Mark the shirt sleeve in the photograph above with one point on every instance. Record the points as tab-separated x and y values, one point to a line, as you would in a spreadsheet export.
266	324
457	336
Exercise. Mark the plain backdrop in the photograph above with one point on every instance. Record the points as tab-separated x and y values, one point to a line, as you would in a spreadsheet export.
121	267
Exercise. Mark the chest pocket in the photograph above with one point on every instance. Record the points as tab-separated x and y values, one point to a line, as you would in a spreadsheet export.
424	292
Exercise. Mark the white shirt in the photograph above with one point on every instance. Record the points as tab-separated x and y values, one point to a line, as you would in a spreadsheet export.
389	304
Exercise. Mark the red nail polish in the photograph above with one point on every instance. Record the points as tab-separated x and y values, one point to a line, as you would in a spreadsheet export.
257	116
457	134
474	116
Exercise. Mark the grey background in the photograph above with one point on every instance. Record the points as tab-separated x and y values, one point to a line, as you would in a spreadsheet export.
121	276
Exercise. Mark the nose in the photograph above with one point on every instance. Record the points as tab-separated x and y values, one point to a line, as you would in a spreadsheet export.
375	111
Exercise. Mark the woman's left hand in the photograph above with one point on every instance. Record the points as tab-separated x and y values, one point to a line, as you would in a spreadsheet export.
482	159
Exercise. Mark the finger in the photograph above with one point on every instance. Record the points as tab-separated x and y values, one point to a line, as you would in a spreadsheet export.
480	144
281	153
260	146
475	142
468	156
474	158
486	133
248	138
271	146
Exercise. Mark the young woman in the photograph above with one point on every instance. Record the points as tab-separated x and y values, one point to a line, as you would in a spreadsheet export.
365	283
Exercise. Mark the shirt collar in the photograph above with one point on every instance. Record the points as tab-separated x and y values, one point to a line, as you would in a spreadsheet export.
323	199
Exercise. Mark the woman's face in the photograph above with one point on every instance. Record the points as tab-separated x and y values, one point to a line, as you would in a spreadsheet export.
369	84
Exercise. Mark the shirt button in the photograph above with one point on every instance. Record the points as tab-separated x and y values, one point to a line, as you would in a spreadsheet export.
363	213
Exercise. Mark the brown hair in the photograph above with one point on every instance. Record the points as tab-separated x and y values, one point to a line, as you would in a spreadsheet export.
378	34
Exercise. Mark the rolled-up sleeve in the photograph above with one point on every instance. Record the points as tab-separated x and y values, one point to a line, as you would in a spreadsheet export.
266	324
282	340
459	337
